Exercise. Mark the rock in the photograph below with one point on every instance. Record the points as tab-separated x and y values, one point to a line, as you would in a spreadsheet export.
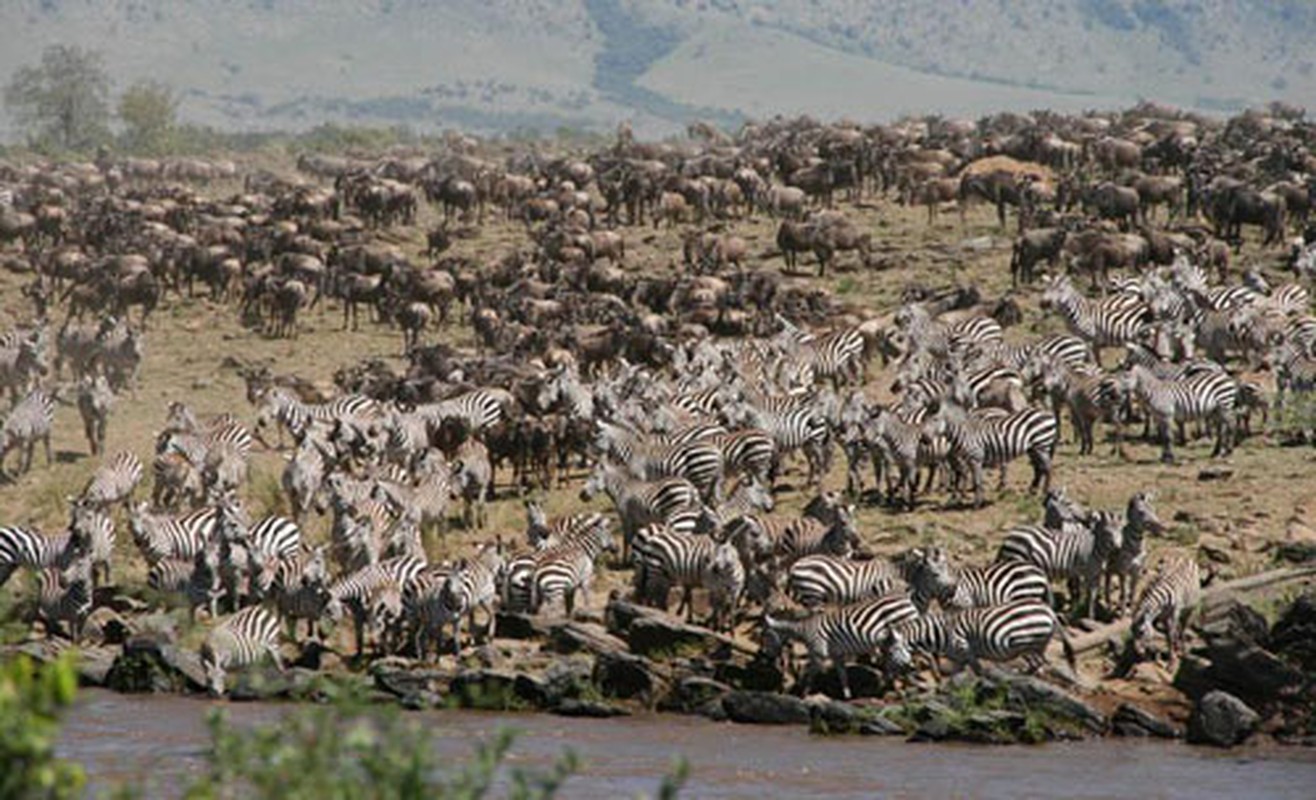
660	638
765	708
147	664
1129	720
94	664
1222	720
759	675
1296	552
935	722
401	681
512	625
421	701
267	683
1235	620
566	679
1036	694
589	708
627	676
995	726
864	682
691	693
1215	474
573	637
1294	634
880	726
828	716
486	689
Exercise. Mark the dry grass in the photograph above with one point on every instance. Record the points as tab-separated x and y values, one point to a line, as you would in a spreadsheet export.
190	340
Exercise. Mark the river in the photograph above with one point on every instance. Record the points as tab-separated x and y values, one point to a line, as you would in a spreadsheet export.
119	737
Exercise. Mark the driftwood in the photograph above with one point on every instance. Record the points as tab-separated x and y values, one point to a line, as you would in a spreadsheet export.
1211	595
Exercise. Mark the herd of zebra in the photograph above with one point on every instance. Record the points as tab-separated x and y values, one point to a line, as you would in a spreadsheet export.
691	460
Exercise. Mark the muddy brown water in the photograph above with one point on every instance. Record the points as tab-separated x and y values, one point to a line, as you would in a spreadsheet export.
124	738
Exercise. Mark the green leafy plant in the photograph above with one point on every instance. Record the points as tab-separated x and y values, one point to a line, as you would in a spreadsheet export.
31	699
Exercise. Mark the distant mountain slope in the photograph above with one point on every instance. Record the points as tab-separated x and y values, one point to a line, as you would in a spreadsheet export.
501	64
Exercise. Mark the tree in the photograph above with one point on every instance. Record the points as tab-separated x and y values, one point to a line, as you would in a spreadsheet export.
63	102
148	111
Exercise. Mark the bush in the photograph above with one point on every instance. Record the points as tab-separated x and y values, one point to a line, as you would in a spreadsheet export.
31	698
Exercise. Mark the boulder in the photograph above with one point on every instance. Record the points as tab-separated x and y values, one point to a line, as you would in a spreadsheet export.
693	692
490	689
627	676
879	725
588	708
1294	634
513	625
765	708
659	637
573	637
94	664
1025	691
402	681
758	675
1222	720
149	664
265	682
1131	721
864	682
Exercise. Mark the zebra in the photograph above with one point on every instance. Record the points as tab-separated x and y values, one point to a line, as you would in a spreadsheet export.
824	579
429	498
29	422
568	569
542	532
176	479
22	359
930	576
426	612
1062	348
748	452
470	585
667	559
1077	553
22	547
1126	562
93	525
239	640
197	580
924	334
900	444
64	595
472	480
160	536
836	633
795	427
373	595
278	407
478	410
1112	322
300	589
639	502
698	461
1089	393
113	482
979	440
304	475
725	581
95	399
1167	602
1210	396
837	356
785	540
967	636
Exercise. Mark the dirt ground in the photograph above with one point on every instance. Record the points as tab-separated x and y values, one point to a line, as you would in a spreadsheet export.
1266	499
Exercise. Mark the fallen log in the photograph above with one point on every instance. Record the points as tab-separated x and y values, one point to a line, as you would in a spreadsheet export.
1211	596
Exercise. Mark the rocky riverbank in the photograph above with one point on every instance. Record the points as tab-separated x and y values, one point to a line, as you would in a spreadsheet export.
1244	679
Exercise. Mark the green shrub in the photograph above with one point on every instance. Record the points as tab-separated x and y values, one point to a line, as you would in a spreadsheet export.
31	698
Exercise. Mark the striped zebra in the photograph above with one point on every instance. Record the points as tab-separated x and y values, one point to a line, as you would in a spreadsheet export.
197	580
472	481
281	409
986	439
22	547
900	444
93	525
837	356
114	481
784	540
921	333
824	579
639	502
472	584
239	640
175	480
1295	372
28	423
304	475
1127	560
160	536
931	576
749	453
1112	322
425	610
1209	396
542	532
700	462
373	596
1076	553
1087	392
836	634
301	590
667	560
429	497
797	426
1062	348
478	410
64	596
95	399
568	569
1022	628
1167	602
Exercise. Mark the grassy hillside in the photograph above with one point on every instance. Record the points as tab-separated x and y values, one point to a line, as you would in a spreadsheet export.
503	64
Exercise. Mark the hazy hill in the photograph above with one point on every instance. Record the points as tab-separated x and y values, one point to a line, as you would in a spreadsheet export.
501	64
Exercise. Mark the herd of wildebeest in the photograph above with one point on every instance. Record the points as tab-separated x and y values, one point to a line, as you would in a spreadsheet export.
686	386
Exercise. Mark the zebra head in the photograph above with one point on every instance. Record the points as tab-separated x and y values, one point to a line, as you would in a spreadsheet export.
1058	509
897	655
214	671
1141	514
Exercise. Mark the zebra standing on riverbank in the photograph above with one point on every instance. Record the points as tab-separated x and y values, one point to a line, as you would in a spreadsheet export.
239	640
1167	602
995	633
837	633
